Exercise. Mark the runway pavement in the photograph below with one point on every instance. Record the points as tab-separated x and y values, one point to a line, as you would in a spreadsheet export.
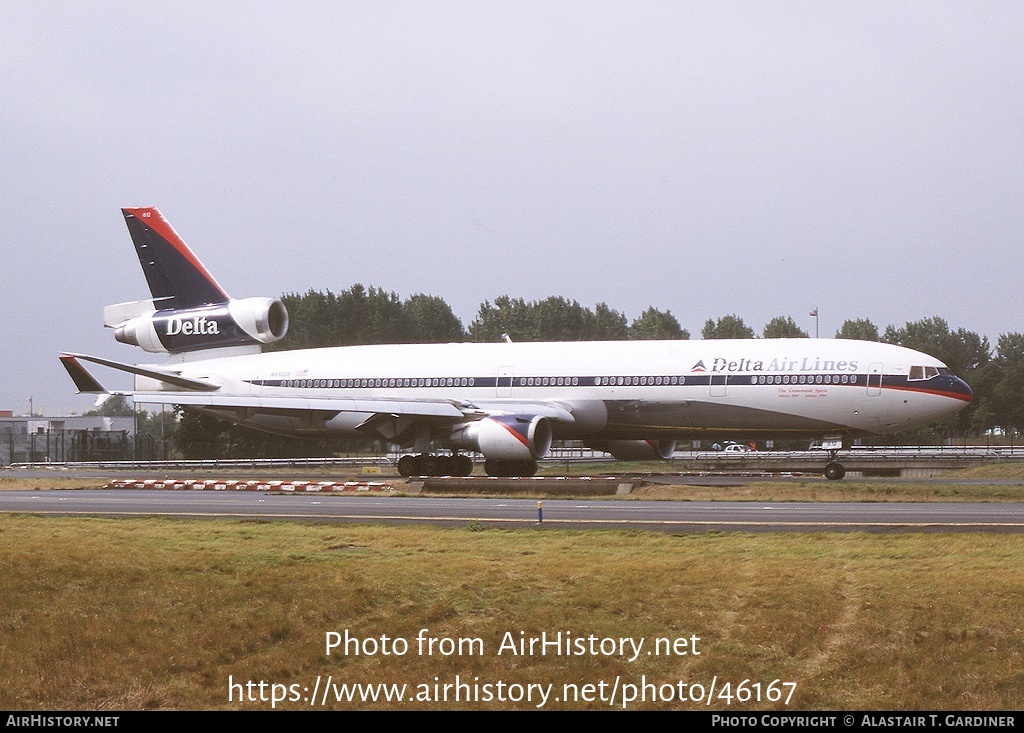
672	516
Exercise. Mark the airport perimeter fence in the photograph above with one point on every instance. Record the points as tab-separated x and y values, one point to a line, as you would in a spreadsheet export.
362	463
76	446
681	460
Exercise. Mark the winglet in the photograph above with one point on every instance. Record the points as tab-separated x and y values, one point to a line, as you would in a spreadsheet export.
85	381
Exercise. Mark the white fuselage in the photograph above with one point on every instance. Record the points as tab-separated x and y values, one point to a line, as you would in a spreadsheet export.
642	390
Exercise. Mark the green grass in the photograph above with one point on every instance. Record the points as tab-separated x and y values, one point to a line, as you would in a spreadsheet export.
157	613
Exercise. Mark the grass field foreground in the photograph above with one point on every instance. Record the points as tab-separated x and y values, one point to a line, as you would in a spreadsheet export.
158	613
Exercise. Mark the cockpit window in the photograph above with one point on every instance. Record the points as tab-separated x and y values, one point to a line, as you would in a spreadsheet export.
923	372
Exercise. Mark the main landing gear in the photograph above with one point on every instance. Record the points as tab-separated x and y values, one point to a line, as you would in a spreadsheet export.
509	469
430	465
426	464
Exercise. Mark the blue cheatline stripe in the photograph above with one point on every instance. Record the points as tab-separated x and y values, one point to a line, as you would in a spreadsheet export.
945	387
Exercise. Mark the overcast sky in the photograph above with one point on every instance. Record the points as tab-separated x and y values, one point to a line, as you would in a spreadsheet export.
760	158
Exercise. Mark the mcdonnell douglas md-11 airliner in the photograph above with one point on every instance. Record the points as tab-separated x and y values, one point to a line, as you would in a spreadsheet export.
506	401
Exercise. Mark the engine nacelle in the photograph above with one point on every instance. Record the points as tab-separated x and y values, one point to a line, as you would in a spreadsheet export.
636	450
234	323
505	437
265	319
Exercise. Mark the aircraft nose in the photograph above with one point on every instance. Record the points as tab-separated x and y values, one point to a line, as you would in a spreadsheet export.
959	389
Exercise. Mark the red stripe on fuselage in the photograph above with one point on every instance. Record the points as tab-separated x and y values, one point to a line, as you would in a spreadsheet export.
152	218
937	392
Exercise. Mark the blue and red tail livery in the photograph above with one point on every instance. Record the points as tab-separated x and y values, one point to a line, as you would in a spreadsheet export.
176	277
190	311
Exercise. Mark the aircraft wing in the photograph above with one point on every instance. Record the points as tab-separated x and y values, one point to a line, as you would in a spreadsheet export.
556	411
433	408
446	410
199	393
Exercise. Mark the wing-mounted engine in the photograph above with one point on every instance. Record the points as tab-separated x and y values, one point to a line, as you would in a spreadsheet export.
505	437
251	321
511	444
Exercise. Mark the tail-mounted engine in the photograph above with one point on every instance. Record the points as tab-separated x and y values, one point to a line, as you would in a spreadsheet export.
250	321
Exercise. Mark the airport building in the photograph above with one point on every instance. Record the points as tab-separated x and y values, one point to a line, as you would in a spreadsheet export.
37	439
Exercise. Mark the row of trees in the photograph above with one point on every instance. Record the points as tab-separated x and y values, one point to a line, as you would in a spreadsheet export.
367	316
362	315
372	316
733	327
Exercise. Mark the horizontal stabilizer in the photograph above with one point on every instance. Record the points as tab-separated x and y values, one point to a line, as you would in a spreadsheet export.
159	375
120	313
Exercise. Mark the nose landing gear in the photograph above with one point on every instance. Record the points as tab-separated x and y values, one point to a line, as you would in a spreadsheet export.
834	470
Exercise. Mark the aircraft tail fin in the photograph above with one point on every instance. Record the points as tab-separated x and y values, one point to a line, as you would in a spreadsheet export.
176	277
189	312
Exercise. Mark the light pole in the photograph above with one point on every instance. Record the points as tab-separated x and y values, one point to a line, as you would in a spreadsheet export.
815	314
31	407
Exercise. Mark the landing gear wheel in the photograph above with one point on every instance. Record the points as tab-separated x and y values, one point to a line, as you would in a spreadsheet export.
834	471
463	465
509	469
407	466
445	466
428	465
421	465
